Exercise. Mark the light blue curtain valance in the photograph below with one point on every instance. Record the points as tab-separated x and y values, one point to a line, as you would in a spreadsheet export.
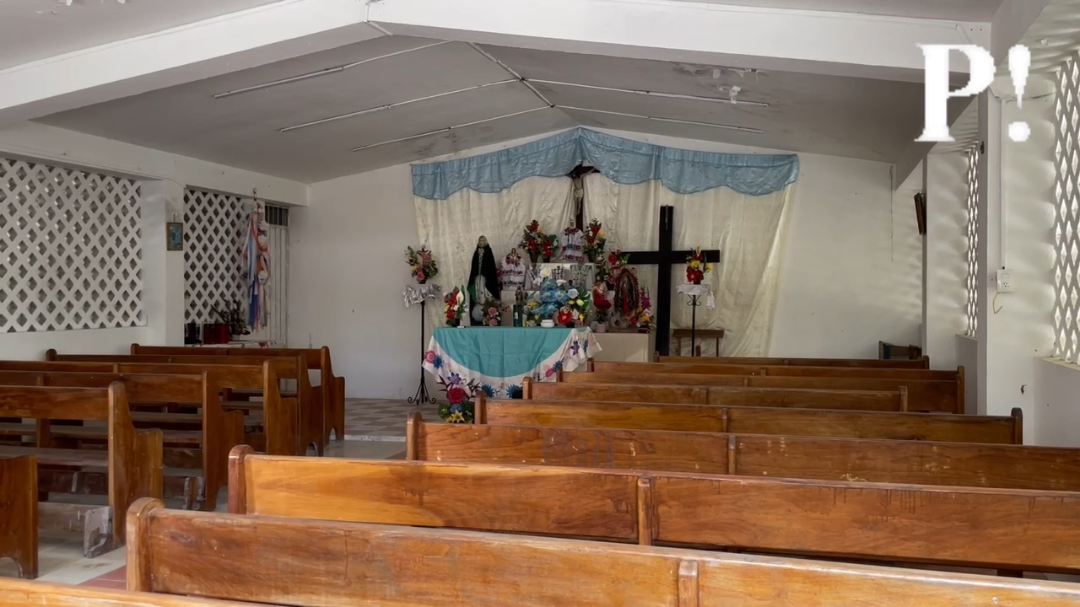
621	160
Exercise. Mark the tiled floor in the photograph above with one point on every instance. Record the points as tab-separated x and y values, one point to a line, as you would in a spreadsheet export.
382	420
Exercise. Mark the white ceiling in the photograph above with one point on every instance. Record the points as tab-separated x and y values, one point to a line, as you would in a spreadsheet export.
860	118
36	29
954	10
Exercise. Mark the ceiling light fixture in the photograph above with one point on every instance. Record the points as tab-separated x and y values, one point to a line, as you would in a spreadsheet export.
448	129
324	72
714	125
729	101
388	106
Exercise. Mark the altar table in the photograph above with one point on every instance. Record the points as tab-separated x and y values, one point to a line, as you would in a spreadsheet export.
497	359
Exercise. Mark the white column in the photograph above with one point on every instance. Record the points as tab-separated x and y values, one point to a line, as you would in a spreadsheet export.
1017	219
944	256
163	271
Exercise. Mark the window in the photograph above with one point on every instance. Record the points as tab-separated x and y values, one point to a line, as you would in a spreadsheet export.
972	283
70	249
213	242
1067	221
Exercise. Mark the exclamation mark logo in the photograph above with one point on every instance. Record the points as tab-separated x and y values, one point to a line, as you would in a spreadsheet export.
1019	66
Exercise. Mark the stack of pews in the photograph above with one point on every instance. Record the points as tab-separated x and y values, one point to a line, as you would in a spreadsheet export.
157	423
573	501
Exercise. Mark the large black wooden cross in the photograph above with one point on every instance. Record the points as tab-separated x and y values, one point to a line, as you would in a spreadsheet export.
664	259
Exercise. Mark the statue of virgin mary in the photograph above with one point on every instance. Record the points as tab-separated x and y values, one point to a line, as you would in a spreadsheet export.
483	280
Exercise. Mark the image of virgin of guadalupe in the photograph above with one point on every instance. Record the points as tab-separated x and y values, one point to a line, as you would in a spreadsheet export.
483	281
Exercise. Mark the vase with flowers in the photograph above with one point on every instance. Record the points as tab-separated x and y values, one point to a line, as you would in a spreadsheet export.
454	307
595	240
697	267
422	263
538	243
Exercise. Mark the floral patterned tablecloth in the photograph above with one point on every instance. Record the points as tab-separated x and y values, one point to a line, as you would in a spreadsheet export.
497	359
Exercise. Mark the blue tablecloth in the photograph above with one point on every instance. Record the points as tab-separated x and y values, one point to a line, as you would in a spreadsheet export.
496	359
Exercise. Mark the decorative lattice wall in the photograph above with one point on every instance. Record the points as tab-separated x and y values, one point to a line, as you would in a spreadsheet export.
1067	222
971	310
213	241
70	249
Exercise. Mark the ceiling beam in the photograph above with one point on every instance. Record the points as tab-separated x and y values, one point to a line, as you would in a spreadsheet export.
828	43
232	42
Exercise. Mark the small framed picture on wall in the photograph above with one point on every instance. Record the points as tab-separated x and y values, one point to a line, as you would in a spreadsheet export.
174	236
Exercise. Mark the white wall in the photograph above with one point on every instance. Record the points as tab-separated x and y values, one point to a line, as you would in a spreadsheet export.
162	180
1055	420
946	258
850	275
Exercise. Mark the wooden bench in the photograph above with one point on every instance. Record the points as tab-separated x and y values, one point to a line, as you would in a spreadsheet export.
771	456
330	386
1031	530
310	402
17	593
205	450
735	395
280	415
755	420
920	363
659	369
228	556
133	459
18	513
931	395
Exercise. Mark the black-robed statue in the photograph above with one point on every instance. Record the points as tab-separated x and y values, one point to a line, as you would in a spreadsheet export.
483	281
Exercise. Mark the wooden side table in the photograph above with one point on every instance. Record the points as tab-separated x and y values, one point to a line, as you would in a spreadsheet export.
681	334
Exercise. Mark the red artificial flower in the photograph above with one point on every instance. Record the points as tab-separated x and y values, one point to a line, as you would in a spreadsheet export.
595	228
455	395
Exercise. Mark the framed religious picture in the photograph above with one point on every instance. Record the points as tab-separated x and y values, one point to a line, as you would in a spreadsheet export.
174	236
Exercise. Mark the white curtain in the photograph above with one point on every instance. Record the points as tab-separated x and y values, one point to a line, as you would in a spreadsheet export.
748	231
451	227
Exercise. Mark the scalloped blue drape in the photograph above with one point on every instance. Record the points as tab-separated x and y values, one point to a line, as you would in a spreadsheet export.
622	160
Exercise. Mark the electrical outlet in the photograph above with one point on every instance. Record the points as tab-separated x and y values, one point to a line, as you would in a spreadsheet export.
1004	281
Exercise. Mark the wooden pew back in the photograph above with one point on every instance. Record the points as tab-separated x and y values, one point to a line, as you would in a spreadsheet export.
655	371
755	420
734	395
19	513
807	457
355	564
802	517
17	593
221	430
134	456
920	363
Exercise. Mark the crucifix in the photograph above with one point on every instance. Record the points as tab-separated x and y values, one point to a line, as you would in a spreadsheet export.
664	259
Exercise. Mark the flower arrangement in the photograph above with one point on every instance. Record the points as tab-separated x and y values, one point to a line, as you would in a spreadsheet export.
537	242
492	313
454	303
459	408
616	260
566	306
576	308
643	317
697	267
595	240
422	263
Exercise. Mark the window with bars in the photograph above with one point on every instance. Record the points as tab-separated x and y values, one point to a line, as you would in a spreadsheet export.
971	309
213	242
1067	220
70	249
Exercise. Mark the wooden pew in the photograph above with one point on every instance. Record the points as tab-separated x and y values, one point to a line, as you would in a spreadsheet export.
205	450
920	363
930	395
658	369
229	556
280	415
1031	530
18	593
771	456
310	402
755	420
734	395
133	459
331	386
19	513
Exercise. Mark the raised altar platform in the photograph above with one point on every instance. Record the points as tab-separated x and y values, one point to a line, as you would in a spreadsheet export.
497	359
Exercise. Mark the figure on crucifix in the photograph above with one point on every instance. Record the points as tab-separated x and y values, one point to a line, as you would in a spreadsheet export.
483	281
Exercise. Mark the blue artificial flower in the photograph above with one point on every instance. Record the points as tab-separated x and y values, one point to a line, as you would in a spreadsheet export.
561	297
488	390
548	297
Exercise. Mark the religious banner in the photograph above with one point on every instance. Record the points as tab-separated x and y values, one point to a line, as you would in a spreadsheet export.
498	359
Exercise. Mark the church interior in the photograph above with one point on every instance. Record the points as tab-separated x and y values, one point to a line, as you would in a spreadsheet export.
703	302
